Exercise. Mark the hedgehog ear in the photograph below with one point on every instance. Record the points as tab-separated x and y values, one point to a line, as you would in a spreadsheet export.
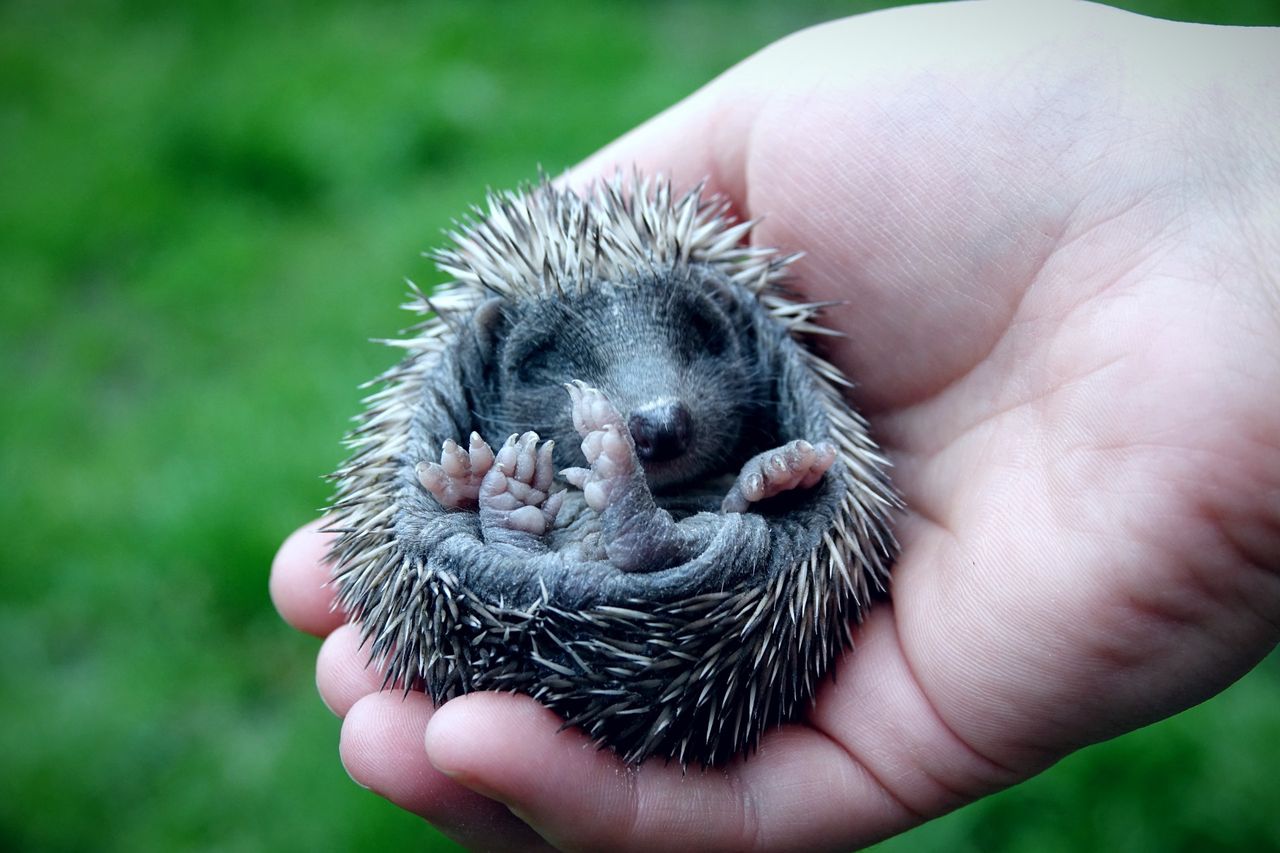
486	325
718	288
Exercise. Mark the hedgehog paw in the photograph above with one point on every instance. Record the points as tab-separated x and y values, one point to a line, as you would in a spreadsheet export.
516	502
636	535
794	465
608	446
455	480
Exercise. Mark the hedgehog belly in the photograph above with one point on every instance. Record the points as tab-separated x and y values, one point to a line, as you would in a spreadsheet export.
693	660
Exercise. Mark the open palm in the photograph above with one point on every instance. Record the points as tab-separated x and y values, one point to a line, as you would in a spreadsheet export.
1052	252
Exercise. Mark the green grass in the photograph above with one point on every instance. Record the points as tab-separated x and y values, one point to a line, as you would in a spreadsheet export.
205	211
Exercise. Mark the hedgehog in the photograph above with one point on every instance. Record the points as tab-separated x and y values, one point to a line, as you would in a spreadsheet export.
613	473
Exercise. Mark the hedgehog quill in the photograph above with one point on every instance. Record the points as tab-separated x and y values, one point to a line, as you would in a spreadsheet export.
610	474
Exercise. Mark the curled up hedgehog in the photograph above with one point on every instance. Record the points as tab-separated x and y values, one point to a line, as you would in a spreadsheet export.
610	475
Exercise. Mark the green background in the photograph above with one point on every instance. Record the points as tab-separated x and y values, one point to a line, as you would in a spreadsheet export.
205	212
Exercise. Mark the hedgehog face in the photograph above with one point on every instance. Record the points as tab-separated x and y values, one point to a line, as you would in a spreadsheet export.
667	351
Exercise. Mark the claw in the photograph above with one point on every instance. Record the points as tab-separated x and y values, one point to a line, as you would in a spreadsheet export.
526	456
453	460
431	476
481	453
575	405
505	461
544	471
777	471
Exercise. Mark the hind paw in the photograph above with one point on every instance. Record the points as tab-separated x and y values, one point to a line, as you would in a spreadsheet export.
636	535
794	465
515	496
606	443
455	480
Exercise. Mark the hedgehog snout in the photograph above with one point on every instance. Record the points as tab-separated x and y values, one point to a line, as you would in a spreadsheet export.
662	431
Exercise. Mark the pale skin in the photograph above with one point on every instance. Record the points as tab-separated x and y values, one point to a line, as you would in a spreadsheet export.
1057	228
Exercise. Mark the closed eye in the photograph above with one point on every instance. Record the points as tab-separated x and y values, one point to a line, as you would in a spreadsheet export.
535	364
700	333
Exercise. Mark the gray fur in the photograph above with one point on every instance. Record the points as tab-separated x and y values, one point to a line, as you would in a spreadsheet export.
641	342
713	625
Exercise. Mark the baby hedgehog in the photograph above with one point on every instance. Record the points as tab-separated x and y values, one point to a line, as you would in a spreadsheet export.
608	476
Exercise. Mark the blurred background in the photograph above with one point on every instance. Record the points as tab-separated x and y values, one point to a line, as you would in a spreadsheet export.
206	209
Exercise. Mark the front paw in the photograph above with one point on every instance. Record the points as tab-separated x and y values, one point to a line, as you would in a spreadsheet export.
795	465
455	480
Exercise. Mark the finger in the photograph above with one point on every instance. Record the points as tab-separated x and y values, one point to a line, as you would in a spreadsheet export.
800	791
299	578
343	672
494	488
825	455
551	508
434	479
453	459
592	444
382	750
735	501
524	493
481	455
712	134
601	411
526	457
596	495
752	487
506	458
776	471
546	471
529	519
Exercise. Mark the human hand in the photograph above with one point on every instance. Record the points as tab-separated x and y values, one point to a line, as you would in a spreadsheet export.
1055	226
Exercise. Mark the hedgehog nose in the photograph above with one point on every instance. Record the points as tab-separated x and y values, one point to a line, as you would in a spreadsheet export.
662	431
